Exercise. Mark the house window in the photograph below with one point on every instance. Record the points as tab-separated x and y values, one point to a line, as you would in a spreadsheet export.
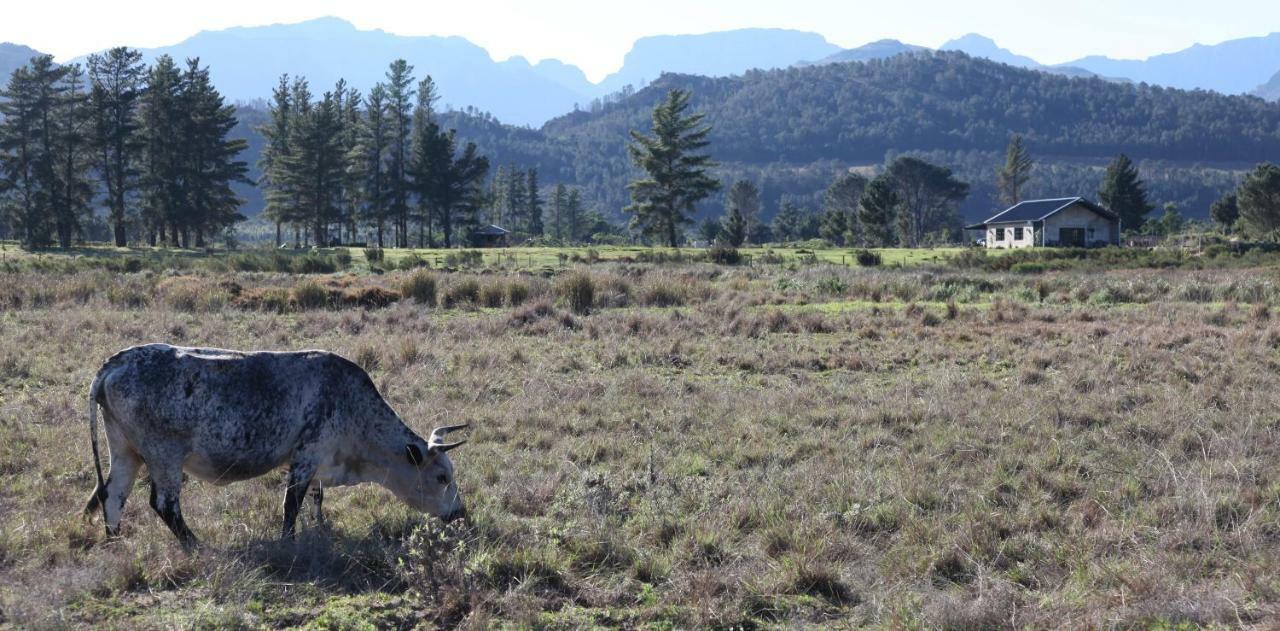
999	234
1017	234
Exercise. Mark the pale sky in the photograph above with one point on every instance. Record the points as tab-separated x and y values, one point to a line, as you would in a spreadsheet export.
595	34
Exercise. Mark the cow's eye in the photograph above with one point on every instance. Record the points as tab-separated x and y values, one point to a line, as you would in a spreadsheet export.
442	479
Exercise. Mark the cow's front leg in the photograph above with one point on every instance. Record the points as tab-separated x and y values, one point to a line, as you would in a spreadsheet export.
300	474
166	484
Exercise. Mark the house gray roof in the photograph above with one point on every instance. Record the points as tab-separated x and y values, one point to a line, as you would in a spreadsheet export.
492	231
1039	210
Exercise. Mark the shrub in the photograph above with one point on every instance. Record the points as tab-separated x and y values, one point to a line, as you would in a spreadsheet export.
266	299
464	258
373	255
309	294
413	261
421	287
517	293
463	292
492	294
661	292
370	297
187	293
342	257
578	291
723	255
1030	267
867	258
315	264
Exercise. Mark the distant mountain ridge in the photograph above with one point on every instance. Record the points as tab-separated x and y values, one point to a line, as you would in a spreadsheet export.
12	57
1269	90
715	54
1233	67
247	61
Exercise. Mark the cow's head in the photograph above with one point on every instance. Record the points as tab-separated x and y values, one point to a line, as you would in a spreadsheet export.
427	483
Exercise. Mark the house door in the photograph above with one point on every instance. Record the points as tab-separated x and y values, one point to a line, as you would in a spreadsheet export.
1071	237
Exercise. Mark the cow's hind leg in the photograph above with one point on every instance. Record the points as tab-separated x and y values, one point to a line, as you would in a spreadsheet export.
166	485
317	502
124	469
300	474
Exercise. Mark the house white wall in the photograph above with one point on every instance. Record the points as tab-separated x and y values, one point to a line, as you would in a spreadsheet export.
1005	235
1096	228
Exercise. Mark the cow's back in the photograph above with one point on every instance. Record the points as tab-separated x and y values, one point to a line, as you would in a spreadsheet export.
236	414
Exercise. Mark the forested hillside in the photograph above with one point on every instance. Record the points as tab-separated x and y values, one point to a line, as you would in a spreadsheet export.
793	130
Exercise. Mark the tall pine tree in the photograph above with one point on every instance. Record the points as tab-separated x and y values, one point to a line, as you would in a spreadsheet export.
1123	192
742	207
400	106
116	80
1011	178
676	173
533	206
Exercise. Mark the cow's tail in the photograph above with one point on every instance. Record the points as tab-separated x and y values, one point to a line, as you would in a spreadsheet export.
99	497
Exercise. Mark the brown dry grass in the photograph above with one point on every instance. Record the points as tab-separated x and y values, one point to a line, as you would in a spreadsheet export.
961	451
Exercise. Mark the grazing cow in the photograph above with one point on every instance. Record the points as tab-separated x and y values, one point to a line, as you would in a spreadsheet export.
224	416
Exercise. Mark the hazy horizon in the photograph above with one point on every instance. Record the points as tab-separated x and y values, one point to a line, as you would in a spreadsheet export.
595	38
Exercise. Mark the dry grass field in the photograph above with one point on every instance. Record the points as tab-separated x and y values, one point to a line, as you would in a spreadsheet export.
690	446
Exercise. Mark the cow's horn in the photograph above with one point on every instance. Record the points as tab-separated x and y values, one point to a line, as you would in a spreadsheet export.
441	431
446	446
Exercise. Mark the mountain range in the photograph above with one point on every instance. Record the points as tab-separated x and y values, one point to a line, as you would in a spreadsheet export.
12	57
246	62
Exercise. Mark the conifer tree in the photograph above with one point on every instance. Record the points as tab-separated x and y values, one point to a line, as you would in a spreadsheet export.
370	160
210	161
515	197
400	104
574	216
840	209
559	206
1259	196
160	118
1011	178
1123	192
533	205
25	164
425	159
1225	211
676	174
116	80
742	207
877	211
72	200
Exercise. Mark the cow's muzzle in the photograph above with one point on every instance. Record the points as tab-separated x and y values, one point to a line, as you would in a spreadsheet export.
461	513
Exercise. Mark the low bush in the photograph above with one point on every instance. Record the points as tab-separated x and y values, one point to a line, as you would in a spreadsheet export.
188	293
663	292
578	291
370	297
724	255
310	294
463	292
492	294
421	287
867	258
517	293
373	255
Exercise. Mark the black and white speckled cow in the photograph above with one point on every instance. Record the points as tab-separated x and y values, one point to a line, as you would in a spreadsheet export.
224	416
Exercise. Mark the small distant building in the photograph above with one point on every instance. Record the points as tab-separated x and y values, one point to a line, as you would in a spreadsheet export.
1068	222
490	236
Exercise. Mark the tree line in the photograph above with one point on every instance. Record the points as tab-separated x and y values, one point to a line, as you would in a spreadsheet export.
389	162
148	143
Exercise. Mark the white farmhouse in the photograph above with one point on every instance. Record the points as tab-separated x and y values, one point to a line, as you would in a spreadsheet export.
1067	222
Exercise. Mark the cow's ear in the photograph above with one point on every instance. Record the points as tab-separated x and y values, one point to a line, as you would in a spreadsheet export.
415	454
